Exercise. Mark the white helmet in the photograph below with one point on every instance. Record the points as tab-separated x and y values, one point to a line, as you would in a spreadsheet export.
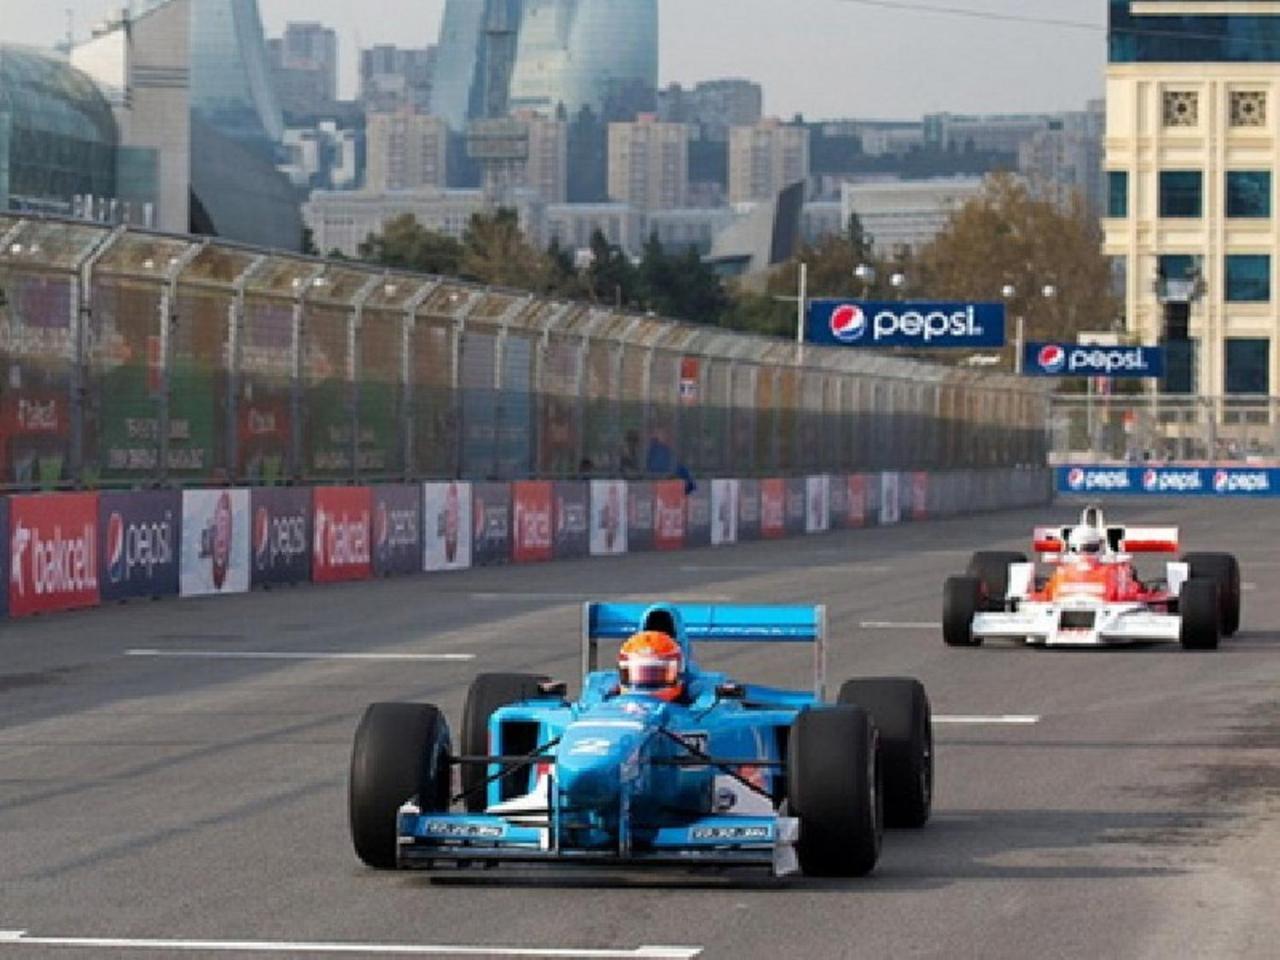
1085	540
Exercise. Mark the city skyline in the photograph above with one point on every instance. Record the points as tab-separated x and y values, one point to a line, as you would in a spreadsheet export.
846	48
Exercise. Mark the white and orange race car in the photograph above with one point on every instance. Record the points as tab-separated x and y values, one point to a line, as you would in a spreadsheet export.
1090	593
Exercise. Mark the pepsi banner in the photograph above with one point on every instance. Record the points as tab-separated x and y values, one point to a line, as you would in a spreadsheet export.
640	510
491	519
572	521
749	502
1079	360
281	551
397	530
796	508
1170	480
139	537
931	325
697	529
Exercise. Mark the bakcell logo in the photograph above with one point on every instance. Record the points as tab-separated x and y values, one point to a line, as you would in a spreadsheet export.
848	323
533	527
60	564
342	540
1052	358
1075	478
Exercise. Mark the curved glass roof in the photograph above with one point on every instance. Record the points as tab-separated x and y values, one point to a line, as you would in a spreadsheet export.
46	95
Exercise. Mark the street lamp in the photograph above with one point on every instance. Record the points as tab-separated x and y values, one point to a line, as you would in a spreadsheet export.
1009	291
899	283
866	274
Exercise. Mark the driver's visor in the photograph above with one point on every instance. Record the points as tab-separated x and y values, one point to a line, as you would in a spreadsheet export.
648	673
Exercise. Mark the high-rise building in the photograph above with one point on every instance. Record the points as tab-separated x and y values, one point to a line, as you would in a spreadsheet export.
713	106
1191	163
231	83
766	158
902	215
649	163
477	49
1065	161
406	151
595	54
395	78
304	66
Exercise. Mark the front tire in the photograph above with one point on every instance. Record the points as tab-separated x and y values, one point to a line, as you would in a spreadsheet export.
961	597
401	753
991	567
900	709
1200	609
1225	570
488	692
834	789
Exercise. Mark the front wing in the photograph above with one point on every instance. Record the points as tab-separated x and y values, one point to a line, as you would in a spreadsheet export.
1051	624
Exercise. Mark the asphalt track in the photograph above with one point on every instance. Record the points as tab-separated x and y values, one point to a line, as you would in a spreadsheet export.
155	803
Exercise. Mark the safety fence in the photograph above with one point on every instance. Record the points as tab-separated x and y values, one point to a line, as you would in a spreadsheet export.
77	550
133	358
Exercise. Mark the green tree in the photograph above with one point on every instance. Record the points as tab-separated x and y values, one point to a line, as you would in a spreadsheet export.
611	278
495	251
407	245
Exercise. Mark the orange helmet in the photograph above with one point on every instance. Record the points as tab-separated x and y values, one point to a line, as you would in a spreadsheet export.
652	663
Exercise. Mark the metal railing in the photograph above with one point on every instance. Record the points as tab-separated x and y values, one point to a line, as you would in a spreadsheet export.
135	358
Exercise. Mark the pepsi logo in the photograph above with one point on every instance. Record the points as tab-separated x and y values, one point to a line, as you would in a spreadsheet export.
1052	358
116	565
261	535
848	323
1075	478
1150	480
382	526
1221	480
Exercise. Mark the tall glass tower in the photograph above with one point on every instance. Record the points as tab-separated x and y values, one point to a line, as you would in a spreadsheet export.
475	57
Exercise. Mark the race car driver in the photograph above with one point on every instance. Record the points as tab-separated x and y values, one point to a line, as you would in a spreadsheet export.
651	664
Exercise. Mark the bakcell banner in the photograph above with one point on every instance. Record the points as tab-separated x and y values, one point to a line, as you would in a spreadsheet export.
533	524
919	496
797	494
53	553
447	529
572	520
773	509
342	538
724	512
215	542
818	504
490	524
397	530
608	518
668	515
4	557
749	527
697	527
856	507
138	536
639	517
281	549
890	510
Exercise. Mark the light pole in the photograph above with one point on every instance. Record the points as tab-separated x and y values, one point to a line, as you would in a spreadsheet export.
1009	291
866	275
899	283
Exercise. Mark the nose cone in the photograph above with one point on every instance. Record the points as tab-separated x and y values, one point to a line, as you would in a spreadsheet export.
590	758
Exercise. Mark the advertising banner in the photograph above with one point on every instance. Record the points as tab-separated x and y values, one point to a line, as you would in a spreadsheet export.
447	528
281	551
890	503
797	506
53	555
1170	481
818	509
668	515
572	520
697	527
138	536
838	504
490	524
343	534
608	518
4	557
639	517
215	542
533	527
724	512
919	496
773	509
856	507
935	325
1079	360
397	530
749	504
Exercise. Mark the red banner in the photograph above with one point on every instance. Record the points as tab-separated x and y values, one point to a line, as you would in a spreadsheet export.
534	539
857	500
669	515
53	553
689	381
919	496
343	534
773	509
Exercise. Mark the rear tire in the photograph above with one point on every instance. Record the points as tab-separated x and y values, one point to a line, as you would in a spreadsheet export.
899	707
401	752
961	597
835	790
489	692
992	568
1200	610
1225	570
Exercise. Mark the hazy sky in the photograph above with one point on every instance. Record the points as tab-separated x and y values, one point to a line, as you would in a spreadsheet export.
824	58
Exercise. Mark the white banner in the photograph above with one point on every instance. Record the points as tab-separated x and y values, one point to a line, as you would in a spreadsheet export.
608	517
446	517
215	542
817	505
724	512
890	503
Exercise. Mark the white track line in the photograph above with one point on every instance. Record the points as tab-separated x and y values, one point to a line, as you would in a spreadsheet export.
899	625
1006	719
289	655
15	938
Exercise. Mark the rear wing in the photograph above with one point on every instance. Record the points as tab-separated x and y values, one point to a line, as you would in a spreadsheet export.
1051	541
714	624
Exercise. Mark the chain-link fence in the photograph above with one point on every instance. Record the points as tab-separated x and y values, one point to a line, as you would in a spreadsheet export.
1162	427
137	358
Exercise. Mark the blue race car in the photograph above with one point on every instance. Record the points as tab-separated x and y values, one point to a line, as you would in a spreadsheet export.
718	773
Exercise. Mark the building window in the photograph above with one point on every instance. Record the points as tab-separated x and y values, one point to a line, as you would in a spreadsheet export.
1248	366
1248	278
1118	193
1181	193
1181	108
1248	108
1179	367
1249	193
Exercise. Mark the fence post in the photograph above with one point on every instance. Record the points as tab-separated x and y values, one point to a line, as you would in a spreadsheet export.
408	400
355	365
301	288
235	341
81	317
168	324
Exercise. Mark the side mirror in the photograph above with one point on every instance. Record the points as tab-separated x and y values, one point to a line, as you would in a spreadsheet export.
731	691
554	688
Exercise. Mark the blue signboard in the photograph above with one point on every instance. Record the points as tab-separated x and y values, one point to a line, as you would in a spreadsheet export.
1079	360
138	539
397	530
1170	480
849	323
282	529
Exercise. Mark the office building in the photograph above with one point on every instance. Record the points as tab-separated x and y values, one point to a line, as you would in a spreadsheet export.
649	163
324	156
231	83
304	68
905	215
396	78
990	133
1064	162
765	159
713	106
475	60
406	151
